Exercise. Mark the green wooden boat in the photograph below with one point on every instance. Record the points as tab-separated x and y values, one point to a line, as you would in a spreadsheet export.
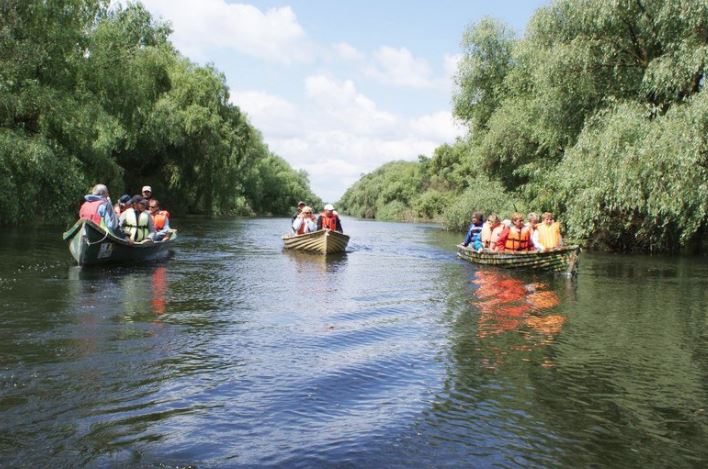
563	259
90	245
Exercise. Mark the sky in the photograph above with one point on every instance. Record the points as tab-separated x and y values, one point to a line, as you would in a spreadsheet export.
338	88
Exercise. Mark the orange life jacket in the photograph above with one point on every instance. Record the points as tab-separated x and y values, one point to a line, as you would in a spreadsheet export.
329	223
518	239
89	211
160	218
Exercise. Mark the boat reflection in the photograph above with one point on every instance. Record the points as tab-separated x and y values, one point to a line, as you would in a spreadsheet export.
305	261
509	305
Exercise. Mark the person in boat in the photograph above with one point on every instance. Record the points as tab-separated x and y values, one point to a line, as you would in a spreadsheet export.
329	220
160	219
474	233
532	225
491	230
136	221
122	204
98	208
300	206
549	236
147	192
514	238
305	222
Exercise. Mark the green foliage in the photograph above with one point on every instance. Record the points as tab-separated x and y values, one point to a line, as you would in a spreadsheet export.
91	94
483	195
598	114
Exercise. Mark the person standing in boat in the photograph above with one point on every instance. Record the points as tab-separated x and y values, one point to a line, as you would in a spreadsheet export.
97	207
136	221
147	192
329	220
549	236
305	222
160	219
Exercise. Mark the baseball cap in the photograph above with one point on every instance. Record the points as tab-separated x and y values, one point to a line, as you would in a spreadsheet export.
147	188
329	207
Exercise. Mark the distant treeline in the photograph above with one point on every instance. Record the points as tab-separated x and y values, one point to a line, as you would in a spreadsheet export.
90	94
600	114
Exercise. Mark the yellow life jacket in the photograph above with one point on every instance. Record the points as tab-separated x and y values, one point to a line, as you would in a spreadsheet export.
549	236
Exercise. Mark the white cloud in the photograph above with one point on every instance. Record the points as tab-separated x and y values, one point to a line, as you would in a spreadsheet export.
347	52
439	126
400	67
270	114
274	35
339	133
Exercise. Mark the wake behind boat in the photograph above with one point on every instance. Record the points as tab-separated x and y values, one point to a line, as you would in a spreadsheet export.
321	241
564	259
91	244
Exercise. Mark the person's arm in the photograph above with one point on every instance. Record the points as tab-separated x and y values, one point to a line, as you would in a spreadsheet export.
312	225
297	224
501	240
534	240
319	222
468	237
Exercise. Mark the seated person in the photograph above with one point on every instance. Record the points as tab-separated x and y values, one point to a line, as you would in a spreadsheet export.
491	230
136	221
549	236
474	233
329	220
122	204
305	222
97	207
300	206
514	238
161	220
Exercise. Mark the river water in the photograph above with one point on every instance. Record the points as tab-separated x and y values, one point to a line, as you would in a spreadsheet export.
395	354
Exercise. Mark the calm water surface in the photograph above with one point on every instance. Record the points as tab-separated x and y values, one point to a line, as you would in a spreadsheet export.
395	354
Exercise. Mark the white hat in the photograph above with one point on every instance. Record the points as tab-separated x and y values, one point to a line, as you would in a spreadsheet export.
329	207
146	188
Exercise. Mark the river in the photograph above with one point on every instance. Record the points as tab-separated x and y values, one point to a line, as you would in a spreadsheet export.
395	354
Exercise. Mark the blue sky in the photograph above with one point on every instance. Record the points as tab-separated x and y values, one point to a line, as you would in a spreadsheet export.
338	88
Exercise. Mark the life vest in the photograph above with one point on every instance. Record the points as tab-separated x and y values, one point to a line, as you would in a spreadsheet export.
89	211
329	223
160	218
549	236
138	228
494	236
518	239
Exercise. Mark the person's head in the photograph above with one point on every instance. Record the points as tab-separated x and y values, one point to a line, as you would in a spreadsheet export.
493	219
548	218
517	219
307	211
154	206
135	201
124	200
533	218
142	205
147	192
329	210
477	218
300	206
100	190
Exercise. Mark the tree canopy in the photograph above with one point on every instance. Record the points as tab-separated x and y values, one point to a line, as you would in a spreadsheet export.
599	114
94	94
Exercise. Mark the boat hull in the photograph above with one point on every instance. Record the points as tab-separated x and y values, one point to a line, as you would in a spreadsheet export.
322	242
90	244
563	259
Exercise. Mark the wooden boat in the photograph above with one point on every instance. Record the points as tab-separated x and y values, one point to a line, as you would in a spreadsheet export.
563	259
90	244
321	241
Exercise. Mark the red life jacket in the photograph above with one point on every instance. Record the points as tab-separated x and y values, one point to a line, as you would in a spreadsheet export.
89	211
329	223
160	218
301	230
